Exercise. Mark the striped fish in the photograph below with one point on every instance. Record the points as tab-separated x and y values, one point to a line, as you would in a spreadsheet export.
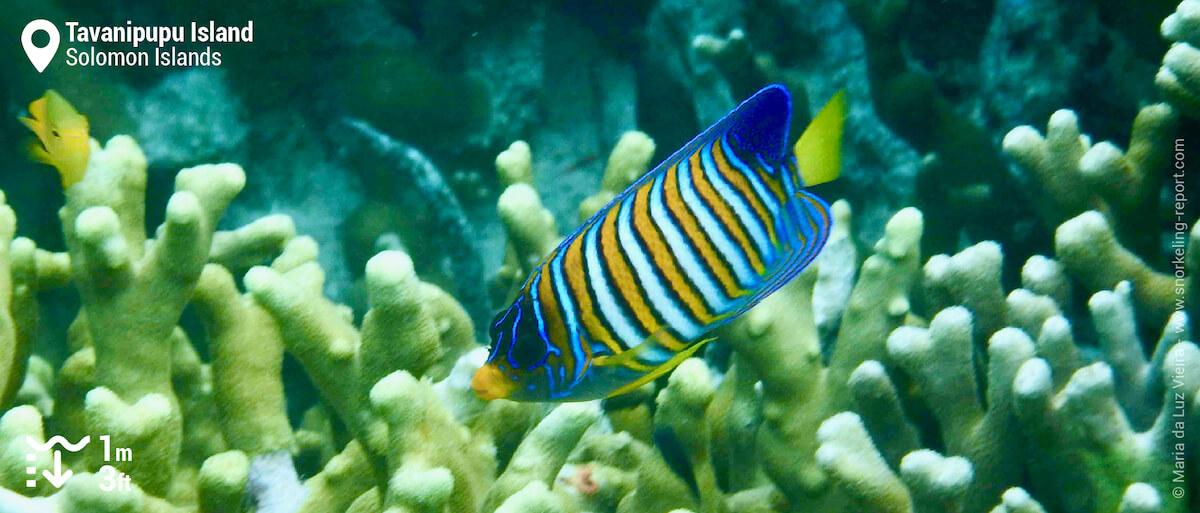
698	240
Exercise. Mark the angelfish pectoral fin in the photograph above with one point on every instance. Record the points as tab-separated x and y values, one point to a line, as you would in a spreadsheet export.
659	371
629	357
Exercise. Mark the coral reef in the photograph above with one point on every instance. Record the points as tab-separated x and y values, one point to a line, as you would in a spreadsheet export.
1096	196
530	227
1180	72
982	377
844	433
940	392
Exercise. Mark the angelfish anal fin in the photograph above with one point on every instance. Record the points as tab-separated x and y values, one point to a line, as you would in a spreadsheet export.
655	372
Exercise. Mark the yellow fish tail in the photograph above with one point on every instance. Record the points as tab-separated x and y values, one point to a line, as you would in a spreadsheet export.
819	150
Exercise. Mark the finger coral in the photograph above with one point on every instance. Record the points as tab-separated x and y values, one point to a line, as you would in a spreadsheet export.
1179	76
212	371
939	393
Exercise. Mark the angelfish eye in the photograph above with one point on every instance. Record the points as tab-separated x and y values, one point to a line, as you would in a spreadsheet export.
528	350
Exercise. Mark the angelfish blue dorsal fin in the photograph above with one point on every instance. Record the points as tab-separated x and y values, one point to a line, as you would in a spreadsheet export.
758	125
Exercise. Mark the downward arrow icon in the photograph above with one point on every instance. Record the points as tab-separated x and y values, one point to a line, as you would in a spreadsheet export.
58	478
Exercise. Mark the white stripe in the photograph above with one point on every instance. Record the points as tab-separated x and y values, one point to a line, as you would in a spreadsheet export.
572	324
656	292
681	249
760	189
758	232
607	304
741	268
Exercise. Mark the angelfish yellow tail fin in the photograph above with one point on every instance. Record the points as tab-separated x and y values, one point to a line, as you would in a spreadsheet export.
819	150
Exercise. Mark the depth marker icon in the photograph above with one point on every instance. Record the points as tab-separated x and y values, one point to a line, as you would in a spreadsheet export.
58	477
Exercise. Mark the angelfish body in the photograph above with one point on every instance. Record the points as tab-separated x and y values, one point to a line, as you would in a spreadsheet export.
62	137
698	240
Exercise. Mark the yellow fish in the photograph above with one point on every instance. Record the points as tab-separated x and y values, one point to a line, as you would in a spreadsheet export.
62	137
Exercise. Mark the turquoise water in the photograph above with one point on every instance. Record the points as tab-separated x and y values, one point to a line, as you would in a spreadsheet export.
1021	159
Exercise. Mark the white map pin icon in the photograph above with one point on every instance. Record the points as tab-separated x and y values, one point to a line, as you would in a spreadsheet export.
40	57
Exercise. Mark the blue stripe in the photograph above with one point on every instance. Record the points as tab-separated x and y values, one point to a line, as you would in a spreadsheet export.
758	232
791	173
551	383
568	307
513	342
763	162
807	207
682	250
760	189
716	232
537	311
500	335
656	293
816	209
779	212
802	213
562	378
622	328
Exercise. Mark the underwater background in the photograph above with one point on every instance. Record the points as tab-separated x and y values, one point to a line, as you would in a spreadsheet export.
275	290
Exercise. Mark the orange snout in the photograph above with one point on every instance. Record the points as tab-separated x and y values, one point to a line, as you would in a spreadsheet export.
490	383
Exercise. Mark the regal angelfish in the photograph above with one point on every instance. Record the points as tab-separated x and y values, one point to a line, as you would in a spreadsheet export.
705	235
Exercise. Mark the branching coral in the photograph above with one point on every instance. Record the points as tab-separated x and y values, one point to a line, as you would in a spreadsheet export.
133	291
137	379
892	384
531	229
421	446
629	160
1098	196
928	481
247	353
18	306
1074	175
343	363
783	350
939	362
1090	453
1179	76
1078	179
1081	439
